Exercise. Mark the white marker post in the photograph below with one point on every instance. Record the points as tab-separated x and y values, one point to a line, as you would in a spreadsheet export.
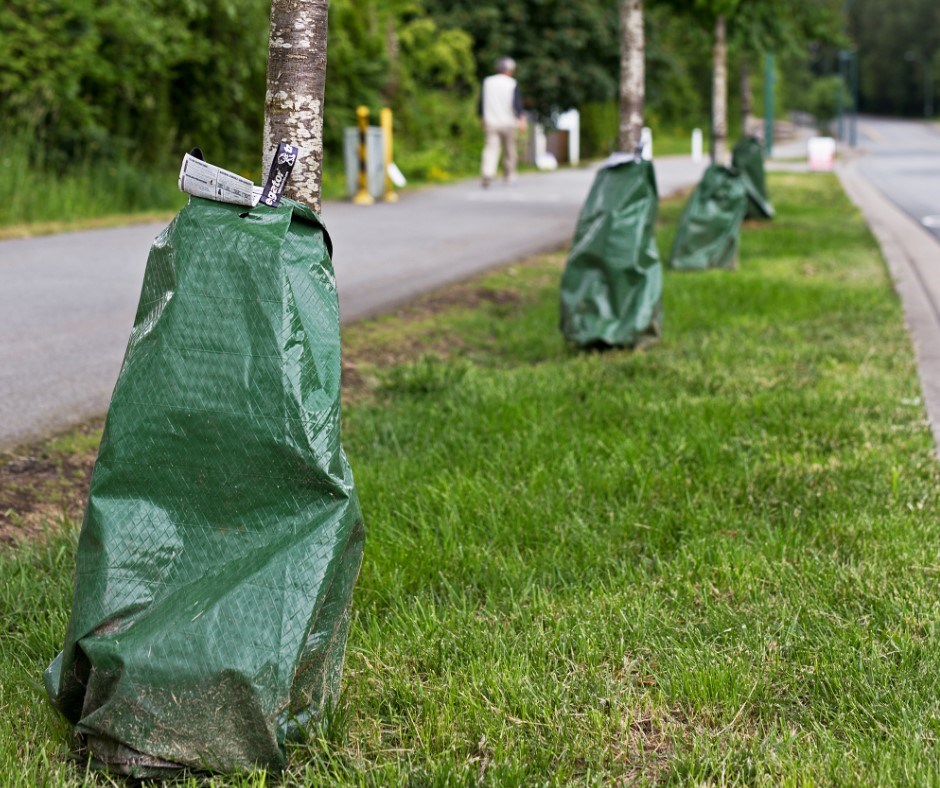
697	146
646	142
821	153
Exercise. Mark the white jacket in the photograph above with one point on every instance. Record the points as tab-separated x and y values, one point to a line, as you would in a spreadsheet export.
500	104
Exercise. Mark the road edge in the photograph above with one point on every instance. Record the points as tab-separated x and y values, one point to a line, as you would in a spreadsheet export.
909	251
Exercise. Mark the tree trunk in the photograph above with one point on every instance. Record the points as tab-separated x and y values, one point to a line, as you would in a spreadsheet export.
747	104
632	74
720	94
293	105
390	90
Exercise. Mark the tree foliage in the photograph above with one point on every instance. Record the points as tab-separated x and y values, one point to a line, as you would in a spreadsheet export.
896	47
150	78
567	50
91	75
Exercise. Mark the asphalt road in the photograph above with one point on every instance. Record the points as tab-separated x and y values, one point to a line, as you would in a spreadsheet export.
67	302
902	159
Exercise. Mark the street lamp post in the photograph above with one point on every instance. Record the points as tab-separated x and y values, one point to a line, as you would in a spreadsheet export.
848	74
853	128
848	78
913	56
769	79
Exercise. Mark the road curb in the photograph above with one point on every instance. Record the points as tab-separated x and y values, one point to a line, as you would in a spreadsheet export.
911	254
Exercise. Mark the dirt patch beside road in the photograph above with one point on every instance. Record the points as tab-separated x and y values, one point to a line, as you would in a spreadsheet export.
42	484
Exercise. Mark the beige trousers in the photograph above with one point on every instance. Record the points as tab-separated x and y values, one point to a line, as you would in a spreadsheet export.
499	139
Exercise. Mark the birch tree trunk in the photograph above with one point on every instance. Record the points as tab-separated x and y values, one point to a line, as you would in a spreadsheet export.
747	104
390	91
632	74
293	104
720	93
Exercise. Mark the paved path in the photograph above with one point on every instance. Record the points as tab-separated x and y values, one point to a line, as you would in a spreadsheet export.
895	183
67	302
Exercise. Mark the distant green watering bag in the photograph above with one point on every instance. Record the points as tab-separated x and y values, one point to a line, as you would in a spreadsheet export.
223	534
612	286
748	159
710	224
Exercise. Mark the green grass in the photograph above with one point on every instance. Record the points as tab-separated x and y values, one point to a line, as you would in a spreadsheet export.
676	142
35	192
712	561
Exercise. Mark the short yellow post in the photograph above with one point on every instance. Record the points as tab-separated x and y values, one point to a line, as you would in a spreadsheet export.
386	123
362	196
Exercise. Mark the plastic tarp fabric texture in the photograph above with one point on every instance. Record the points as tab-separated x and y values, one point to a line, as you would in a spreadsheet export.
748	158
710	224
612	286
223	535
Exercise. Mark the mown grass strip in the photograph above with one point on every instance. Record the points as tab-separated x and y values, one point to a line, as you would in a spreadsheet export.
715	560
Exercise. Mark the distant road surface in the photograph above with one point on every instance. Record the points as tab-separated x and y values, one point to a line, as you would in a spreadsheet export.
902	159
67	302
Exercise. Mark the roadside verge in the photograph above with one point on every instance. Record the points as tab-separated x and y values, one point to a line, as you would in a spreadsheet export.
912	254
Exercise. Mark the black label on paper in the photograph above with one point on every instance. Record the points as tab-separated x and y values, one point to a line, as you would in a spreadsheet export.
281	167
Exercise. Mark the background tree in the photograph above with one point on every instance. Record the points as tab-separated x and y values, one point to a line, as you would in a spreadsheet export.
751	27
713	15
787	28
720	92
568	51
897	47
632	73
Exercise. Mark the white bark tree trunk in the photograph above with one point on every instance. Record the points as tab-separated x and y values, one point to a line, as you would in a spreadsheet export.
293	106
632	74
720	93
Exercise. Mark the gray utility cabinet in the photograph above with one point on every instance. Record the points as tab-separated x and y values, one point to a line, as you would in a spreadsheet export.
375	161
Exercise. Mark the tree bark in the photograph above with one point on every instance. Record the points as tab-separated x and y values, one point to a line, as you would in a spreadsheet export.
632	74
720	93
747	104
390	90
293	105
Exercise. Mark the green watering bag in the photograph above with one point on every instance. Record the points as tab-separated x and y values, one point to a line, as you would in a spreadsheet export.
223	535
748	159
612	286
711	222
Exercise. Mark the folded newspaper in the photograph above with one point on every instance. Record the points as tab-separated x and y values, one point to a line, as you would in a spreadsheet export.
202	179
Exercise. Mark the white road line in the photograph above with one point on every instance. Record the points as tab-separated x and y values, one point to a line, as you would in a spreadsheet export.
509	196
870	132
931	221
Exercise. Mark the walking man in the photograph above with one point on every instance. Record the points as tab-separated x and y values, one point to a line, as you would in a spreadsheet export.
501	115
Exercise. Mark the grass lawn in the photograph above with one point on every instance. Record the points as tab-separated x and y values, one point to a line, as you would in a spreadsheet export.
715	560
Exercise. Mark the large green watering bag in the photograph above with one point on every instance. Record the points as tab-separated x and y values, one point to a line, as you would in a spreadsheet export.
612	286
748	159
711	222
223	535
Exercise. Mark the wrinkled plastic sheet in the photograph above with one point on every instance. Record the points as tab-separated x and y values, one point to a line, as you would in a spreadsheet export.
612	286
223	535
748	159
710	225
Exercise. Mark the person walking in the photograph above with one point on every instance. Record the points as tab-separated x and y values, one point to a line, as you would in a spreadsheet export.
501	115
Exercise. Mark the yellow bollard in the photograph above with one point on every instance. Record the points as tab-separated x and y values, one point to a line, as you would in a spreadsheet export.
362	196
386	123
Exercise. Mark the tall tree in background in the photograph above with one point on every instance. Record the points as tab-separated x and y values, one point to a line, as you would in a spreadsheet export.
714	14
785	27
293	104
632	73
720	91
